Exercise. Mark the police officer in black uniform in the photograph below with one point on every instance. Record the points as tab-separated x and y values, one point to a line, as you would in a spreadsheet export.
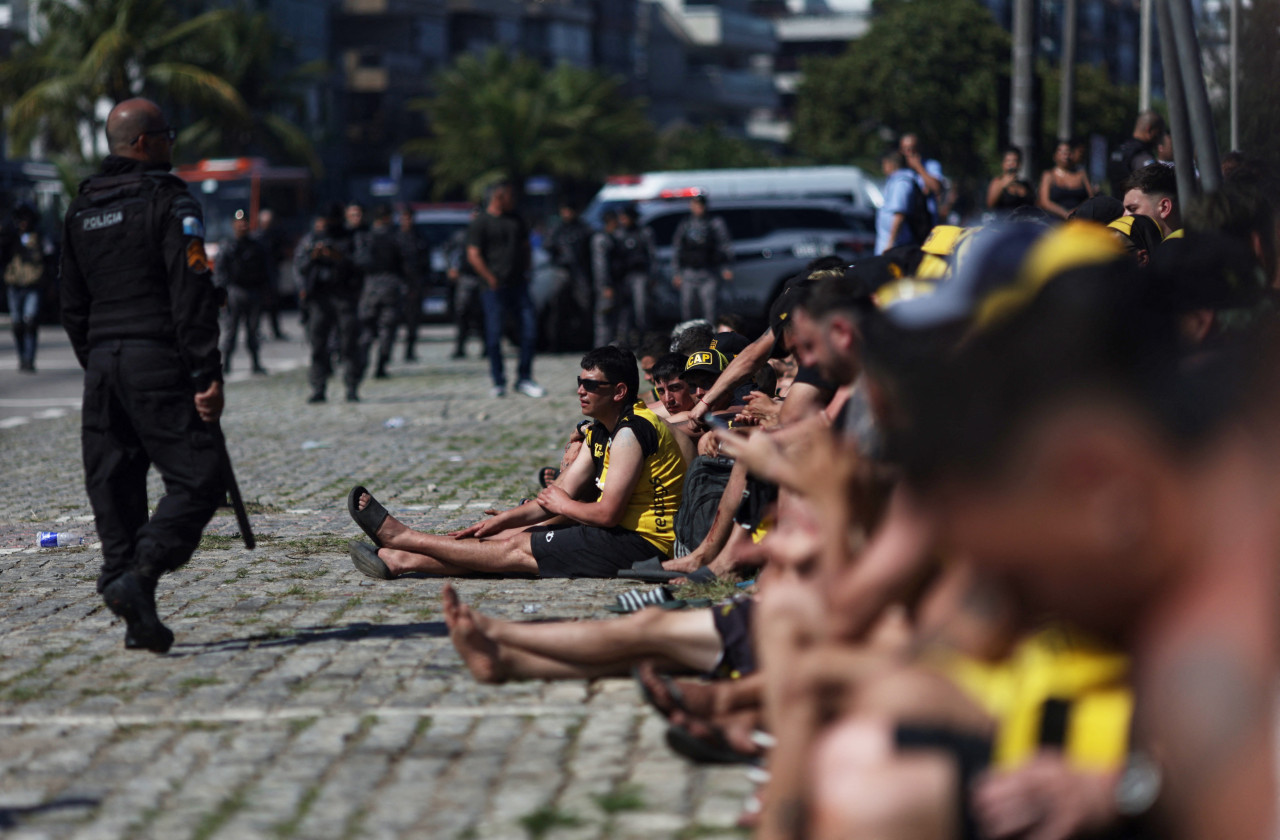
330	289
139	305
243	272
381	255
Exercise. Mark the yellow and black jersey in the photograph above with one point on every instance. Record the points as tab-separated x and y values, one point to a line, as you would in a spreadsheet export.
651	510
1058	689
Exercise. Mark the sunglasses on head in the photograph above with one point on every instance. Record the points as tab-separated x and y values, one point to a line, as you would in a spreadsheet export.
592	385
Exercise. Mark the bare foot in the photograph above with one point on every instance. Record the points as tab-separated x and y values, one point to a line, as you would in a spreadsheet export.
479	653
688	563
390	529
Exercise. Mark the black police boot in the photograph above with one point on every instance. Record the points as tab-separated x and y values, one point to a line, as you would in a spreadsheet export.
133	598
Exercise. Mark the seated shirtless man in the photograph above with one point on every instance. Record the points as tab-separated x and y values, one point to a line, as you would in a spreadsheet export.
629	454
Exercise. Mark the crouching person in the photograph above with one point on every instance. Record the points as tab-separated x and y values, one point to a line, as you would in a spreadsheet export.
629	454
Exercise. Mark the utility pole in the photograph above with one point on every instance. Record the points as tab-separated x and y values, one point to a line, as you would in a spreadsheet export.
1067	73
1144	57
1235	74
1184	157
1197	97
1022	88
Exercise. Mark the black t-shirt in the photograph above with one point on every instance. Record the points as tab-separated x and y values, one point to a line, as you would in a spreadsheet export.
812	376
504	243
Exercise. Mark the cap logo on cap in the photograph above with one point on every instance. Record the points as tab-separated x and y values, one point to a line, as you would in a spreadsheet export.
698	359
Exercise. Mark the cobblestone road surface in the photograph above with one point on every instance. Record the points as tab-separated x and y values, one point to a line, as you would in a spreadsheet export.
303	699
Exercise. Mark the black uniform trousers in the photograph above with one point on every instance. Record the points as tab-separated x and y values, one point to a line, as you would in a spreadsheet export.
139	411
328	316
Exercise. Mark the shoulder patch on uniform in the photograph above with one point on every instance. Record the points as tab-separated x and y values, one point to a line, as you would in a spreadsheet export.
197	259
192	226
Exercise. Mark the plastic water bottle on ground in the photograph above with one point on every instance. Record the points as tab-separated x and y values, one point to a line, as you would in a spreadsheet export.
57	539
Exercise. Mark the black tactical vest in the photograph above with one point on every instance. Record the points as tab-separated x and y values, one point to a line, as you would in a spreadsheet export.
114	234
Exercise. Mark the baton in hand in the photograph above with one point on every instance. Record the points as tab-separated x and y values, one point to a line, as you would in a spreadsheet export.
233	489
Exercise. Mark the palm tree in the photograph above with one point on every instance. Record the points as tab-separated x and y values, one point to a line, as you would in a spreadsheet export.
499	115
96	51
252	56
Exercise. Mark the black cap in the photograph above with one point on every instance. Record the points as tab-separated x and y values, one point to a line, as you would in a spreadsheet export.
730	343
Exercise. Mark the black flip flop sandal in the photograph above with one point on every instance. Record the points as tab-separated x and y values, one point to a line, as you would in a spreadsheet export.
371	518
543	479
366	560
701	751
673	691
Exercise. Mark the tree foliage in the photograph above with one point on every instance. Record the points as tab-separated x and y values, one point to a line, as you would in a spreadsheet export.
1259	79
924	66
500	115
707	147
95	51
252	54
1100	108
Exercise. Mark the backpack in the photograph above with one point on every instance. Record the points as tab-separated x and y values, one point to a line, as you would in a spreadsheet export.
919	220
26	267
704	484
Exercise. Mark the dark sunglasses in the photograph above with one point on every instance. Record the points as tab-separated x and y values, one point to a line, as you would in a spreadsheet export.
592	385
170	133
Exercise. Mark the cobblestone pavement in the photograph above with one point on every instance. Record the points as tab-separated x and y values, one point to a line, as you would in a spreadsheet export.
303	699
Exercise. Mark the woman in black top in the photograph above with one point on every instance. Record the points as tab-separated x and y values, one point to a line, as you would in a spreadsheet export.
1006	191
1066	186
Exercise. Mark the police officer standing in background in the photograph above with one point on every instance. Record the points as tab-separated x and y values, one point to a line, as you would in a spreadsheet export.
139	305
380	255
244	271
411	247
702	256
330	289
468	304
635	265
604	272
572	305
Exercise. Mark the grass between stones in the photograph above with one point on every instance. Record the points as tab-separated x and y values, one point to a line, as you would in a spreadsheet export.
625	797
227	808
716	590
538	823
289	828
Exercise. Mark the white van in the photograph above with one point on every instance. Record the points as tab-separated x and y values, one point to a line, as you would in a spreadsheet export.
842	183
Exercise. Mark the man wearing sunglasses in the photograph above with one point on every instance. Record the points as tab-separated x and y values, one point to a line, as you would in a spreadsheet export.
139	305
629	454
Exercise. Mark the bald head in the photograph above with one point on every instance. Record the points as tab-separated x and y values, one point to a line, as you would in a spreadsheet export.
135	130
1149	125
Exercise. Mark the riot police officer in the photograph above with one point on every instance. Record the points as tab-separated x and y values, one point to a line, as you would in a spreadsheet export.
635	267
243	271
381	255
701	256
139	305
330	288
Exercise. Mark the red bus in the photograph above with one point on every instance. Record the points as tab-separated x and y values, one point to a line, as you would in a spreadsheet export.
225	185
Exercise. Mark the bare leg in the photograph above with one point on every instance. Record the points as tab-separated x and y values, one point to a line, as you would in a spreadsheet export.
721	526
687	637
444	555
863	789
490	662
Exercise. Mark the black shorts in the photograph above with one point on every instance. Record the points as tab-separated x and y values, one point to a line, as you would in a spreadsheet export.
971	753
733	622
568	551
